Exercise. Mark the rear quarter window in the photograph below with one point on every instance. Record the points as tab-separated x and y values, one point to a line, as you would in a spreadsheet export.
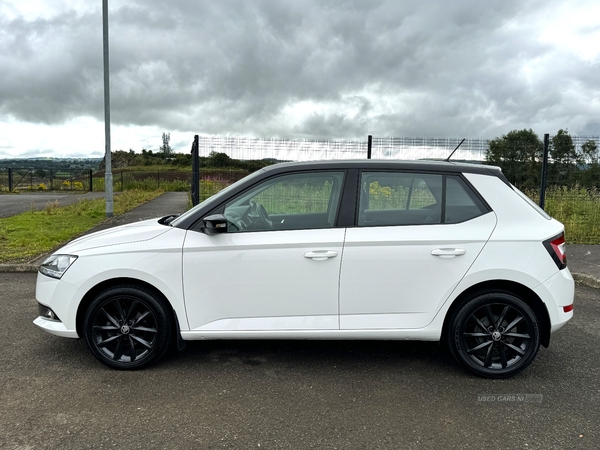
461	203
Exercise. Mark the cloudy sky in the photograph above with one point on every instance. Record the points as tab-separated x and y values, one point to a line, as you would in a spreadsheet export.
299	69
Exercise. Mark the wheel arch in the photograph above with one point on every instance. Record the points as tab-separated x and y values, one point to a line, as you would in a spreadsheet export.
509	287
124	281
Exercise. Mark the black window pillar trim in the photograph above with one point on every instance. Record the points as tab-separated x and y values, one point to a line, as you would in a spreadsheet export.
443	211
349	205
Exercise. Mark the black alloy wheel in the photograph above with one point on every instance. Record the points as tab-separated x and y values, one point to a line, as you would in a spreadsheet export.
495	335
126	327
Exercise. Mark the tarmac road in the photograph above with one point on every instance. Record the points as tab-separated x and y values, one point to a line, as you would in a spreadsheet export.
291	395
11	204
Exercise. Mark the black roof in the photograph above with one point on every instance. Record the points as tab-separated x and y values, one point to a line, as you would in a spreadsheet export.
386	164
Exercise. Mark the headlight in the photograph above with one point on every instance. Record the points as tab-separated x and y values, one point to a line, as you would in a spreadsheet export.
57	265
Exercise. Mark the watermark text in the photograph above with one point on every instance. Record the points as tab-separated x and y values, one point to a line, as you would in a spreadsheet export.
510	398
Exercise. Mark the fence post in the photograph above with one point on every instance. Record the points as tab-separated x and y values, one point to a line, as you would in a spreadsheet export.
195	189
91	186
10	180
544	170
369	146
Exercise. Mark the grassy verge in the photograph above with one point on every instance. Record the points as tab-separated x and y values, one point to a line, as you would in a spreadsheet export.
27	235
579	211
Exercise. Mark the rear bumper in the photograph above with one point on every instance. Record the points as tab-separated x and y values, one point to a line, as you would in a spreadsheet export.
557	292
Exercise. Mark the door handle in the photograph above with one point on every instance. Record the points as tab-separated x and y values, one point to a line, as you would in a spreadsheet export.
321	255
448	252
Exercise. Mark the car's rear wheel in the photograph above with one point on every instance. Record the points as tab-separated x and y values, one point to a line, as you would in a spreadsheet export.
127	327
495	335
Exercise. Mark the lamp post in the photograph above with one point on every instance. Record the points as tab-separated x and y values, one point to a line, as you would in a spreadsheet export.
108	178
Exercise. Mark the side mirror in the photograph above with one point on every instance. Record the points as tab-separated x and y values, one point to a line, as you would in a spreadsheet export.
215	224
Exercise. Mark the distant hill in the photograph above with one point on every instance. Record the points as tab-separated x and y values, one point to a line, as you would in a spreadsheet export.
50	163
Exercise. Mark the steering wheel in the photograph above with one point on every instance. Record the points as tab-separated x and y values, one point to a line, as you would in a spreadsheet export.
264	215
258	210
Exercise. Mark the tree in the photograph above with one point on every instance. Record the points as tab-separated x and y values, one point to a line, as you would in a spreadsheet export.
220	160
518	153
589	153
166	149
589	158
564	158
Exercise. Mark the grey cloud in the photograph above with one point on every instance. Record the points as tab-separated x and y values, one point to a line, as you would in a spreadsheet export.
48	70
232	67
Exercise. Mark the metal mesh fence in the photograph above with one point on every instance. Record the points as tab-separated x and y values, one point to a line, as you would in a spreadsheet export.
26	179
407	148
244	148
280	149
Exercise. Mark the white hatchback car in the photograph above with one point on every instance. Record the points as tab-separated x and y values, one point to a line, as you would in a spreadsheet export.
432	251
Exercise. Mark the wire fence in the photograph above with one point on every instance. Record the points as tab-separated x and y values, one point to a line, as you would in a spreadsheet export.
28	179
35	180
244	148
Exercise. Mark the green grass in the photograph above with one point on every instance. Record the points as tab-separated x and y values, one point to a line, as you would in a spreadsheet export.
578	209
27	235
210	188
149	183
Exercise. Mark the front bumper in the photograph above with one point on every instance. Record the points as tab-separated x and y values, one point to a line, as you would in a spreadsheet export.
58	296
54	327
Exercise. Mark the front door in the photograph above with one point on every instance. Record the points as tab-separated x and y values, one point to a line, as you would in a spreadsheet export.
277	266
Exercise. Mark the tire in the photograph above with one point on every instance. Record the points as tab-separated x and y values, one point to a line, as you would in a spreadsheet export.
127	327
495	335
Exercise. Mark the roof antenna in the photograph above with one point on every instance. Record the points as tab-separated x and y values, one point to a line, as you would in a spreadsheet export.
448	158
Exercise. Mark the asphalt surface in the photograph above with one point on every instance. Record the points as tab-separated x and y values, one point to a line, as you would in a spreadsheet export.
292	395
12	204
584	262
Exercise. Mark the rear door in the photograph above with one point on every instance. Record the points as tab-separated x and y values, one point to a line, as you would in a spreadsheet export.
417	234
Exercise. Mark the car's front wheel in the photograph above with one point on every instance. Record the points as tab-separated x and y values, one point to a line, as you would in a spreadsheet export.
127	327
495	335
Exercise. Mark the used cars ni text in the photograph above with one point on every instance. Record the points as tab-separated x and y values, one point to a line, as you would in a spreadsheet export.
434	251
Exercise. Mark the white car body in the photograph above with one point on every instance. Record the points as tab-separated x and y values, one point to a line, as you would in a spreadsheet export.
342	282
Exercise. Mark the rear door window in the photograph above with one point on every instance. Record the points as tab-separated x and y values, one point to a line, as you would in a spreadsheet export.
395	198
399	199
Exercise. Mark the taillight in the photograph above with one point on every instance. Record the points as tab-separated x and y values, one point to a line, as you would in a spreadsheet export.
556	248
